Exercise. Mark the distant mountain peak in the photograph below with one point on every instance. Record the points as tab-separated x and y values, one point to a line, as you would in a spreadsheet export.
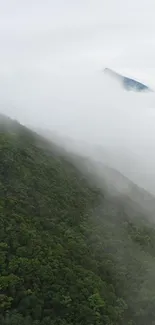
127	83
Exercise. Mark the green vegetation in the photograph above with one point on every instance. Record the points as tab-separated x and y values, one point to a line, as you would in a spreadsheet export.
69	253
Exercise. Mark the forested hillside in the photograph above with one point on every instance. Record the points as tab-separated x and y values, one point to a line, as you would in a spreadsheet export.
70	254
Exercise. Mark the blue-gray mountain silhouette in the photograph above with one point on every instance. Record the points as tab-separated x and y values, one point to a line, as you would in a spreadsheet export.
127	83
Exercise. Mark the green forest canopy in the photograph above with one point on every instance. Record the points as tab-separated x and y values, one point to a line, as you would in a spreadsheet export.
69	253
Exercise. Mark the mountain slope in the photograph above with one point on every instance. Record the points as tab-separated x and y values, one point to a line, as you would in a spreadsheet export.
65	245
100	166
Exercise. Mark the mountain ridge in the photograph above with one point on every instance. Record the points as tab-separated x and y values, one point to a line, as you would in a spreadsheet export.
94	159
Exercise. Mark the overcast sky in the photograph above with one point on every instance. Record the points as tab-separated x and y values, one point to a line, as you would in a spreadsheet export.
52	55
46	45
101	31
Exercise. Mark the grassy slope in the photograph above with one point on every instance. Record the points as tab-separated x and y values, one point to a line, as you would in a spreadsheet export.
68	255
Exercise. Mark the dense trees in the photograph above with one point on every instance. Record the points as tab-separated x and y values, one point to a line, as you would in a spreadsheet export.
69	254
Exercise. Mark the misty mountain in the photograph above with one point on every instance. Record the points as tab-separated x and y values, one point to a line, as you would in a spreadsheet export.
127	83
99	163
74	247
